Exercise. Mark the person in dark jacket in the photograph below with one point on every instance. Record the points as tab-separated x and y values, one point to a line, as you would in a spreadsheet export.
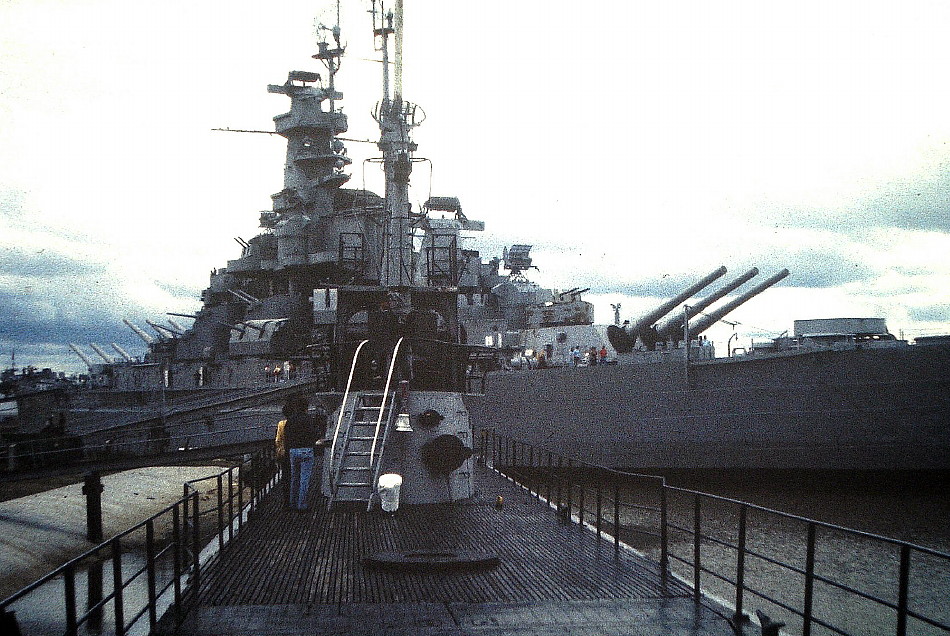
300	437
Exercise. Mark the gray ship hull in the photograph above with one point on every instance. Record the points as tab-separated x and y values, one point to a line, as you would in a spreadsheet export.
882	409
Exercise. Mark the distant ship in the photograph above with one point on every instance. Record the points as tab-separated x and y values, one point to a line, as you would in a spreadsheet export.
335	266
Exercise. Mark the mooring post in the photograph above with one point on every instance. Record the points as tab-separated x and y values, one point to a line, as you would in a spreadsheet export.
92	488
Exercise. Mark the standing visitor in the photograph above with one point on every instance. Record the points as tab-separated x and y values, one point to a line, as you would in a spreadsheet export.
300	437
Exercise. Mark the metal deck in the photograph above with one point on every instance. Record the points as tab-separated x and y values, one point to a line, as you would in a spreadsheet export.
302	573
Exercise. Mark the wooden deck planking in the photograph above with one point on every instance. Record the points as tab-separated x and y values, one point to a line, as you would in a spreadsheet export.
297	574
286	557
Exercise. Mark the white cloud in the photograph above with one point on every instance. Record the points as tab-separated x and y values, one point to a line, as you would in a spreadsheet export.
625	145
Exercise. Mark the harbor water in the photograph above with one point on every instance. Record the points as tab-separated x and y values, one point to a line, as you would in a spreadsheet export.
910	506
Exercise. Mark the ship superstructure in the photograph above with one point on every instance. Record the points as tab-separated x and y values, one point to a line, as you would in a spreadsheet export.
328	258
376	303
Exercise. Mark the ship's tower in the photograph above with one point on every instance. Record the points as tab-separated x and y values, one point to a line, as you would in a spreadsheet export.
315	159
396	117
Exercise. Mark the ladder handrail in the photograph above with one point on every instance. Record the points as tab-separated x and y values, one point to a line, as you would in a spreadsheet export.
382	406
346	394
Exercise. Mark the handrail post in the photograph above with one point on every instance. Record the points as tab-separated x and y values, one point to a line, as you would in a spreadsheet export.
230	504
809	581
570	486
550	475
150	572
740	563
255	474
697	559
904	585
220	513
118	599
664	531
185	519
600	500
537	477
94	597
176	560
616	512
581	505
69	588
240	495
196	543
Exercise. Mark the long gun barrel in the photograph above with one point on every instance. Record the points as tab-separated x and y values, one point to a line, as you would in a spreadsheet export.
141	333
706	321
162	329
673	326
82	355
102	353
122	352
645	322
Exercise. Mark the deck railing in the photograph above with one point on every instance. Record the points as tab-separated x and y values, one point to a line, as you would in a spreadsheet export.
817	577
153	566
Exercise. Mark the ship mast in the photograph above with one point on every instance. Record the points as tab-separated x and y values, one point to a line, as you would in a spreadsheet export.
396	118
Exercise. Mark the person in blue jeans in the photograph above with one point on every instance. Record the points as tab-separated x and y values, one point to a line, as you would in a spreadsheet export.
300	435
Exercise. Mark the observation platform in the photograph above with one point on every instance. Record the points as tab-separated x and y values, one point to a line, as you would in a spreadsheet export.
289	573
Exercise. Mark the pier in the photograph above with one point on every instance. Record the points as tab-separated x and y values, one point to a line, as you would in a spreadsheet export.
303	573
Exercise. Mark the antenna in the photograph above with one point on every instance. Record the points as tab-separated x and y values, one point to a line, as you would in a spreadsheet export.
383	30
398	70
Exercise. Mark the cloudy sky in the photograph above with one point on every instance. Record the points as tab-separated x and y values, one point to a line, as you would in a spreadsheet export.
637	146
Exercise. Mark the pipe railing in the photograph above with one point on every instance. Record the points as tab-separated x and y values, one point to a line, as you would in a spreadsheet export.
715	545
153	566
25	456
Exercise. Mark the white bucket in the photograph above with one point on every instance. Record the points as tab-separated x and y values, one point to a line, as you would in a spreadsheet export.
388	489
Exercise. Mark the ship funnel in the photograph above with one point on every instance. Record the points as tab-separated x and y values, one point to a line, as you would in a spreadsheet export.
102	353
122	352
141	333
673	326
82	355
706	321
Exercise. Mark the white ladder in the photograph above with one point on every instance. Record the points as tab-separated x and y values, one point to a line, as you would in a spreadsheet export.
355	468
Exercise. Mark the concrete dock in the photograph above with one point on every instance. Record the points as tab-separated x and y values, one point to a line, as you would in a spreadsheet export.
40	532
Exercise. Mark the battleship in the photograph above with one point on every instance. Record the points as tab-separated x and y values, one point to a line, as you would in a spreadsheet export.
345	287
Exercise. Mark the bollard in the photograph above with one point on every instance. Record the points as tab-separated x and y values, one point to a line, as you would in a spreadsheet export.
92	488
769	627
8	623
